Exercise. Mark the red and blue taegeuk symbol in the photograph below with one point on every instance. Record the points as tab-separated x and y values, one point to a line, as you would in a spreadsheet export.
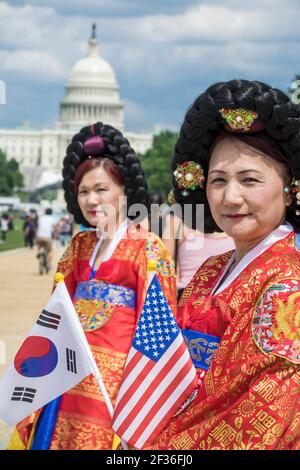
36	357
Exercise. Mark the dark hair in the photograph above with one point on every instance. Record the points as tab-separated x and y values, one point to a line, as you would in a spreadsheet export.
278	116
260	142
101	140
48	211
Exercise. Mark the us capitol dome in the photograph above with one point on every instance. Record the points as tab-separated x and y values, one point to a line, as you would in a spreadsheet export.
91	94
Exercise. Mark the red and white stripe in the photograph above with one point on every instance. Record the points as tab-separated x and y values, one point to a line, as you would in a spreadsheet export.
151	392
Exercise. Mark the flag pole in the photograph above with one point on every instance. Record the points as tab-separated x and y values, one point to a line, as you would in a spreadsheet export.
59	279
151	270
151	267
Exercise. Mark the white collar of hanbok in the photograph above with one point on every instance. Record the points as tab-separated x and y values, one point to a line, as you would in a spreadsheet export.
112	246
278	234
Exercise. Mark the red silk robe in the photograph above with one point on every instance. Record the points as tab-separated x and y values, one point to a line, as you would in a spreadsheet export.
250	394
83	421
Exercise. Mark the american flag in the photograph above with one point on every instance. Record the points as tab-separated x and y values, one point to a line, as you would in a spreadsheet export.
158	377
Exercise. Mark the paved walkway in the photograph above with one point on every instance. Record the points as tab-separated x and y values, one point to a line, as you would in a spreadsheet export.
23	294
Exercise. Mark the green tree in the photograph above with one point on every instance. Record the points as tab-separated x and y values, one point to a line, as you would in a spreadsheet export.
156	162
10	176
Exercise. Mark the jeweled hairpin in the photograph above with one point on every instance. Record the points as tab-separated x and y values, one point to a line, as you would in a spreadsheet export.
239	119
171	198
189	176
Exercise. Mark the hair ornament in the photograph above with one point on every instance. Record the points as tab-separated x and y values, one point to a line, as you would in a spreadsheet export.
189	175
103	140
239	119
171	198
94	146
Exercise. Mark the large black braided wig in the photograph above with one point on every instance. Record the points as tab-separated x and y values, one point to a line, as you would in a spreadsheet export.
117	148
203	122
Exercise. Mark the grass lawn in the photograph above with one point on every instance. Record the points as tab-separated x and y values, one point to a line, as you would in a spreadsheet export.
14	238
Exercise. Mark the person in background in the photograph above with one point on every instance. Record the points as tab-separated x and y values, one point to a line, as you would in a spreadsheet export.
35	217
29	229
238	153
4	224
64	230
191	247
44	235
10	222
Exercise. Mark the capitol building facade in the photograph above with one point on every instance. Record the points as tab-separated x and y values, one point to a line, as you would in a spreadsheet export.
91	95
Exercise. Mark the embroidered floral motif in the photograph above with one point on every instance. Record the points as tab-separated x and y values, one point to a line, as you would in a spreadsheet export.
66	263
276	322
248	407
152	251
93	315
282	404
95	301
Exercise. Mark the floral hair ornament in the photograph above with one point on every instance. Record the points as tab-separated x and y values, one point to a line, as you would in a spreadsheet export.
240	119
189	175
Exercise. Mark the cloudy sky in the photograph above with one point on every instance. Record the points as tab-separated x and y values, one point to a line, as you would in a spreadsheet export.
164	52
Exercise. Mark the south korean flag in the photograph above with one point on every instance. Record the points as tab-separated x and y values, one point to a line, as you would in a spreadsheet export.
54	357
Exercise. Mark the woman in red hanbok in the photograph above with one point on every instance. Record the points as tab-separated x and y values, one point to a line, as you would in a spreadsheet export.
105	272
239	154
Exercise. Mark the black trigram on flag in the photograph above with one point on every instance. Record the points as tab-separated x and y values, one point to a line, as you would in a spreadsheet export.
23	394
71	361
49	320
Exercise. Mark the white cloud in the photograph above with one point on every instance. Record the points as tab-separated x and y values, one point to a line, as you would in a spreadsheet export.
277	19
30	62
151	47
36	41
23	27
162	58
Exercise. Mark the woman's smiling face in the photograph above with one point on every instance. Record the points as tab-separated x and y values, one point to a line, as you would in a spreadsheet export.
99	195
245	191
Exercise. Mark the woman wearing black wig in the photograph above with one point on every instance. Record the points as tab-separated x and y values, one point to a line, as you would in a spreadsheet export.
106	275
238	153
